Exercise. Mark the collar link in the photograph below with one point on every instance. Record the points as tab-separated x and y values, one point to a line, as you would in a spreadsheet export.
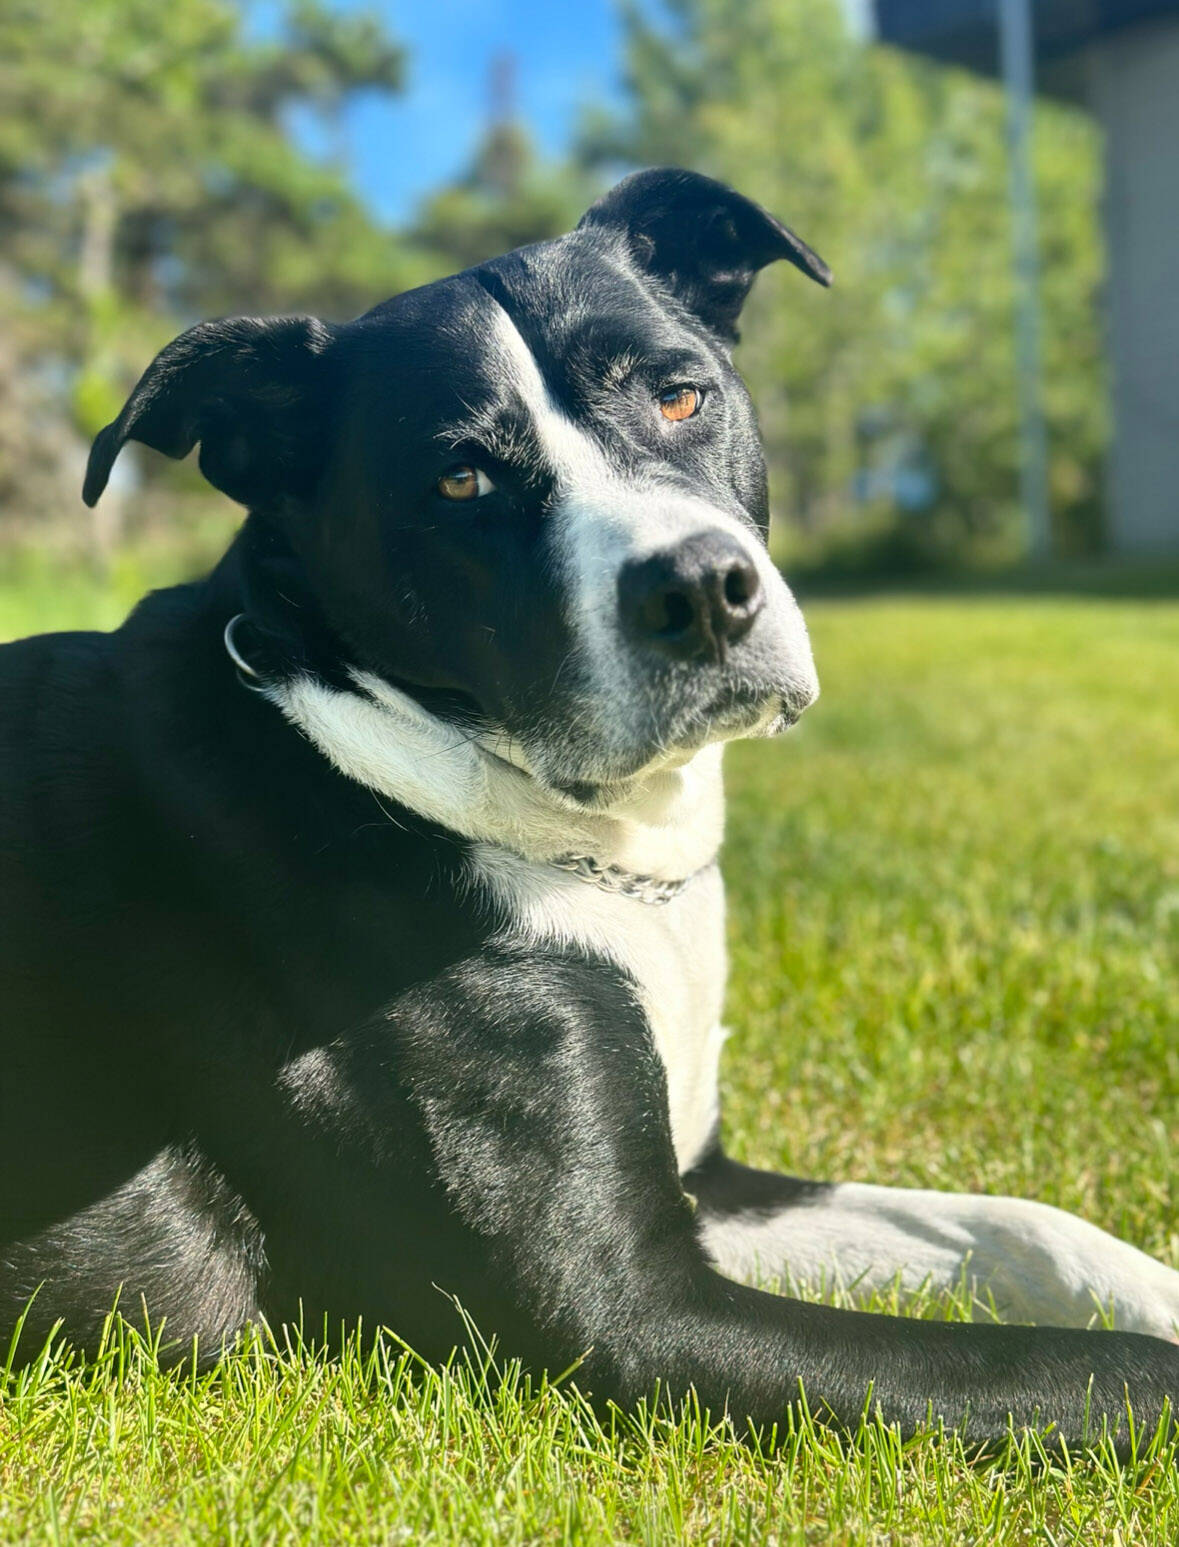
625	883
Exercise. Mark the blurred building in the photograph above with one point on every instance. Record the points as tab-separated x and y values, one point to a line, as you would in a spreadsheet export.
1121	59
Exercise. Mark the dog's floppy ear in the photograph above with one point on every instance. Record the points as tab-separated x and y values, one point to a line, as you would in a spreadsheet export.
247	388
704	241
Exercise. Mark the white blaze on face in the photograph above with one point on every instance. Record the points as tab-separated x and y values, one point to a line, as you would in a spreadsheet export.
605	519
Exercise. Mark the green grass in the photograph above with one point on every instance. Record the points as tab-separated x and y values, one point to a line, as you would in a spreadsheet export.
955	937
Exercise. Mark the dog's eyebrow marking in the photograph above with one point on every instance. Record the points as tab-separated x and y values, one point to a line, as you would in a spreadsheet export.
620	366
495	431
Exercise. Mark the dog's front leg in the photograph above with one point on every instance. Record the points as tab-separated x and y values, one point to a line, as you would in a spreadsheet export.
1030	1261
545	1110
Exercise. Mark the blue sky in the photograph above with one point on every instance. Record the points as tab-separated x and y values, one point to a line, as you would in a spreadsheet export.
565	56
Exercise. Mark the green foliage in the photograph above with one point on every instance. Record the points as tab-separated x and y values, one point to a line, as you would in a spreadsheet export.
955	924
148	177
144	151
896	171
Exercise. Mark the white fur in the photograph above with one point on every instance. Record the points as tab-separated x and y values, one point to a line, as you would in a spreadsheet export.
575	458
1033	1262
667	825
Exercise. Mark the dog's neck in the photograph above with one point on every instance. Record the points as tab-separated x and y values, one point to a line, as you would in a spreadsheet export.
667	825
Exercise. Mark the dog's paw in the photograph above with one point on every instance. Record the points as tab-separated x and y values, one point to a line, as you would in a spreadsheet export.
1042	1265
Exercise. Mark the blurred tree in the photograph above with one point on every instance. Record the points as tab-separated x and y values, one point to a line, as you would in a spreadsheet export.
148	177
508	196
888	406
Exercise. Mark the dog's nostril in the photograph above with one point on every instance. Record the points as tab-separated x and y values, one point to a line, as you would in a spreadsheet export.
740	585
678	613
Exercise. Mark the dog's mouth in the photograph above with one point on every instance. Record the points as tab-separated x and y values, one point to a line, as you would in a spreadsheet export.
589	769
589	754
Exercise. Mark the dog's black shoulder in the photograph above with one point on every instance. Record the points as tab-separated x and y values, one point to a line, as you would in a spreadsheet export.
50	685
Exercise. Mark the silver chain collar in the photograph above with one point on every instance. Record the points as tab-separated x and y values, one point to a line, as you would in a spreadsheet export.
607	878
624	883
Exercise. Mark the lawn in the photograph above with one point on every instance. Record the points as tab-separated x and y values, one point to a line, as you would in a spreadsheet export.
955	949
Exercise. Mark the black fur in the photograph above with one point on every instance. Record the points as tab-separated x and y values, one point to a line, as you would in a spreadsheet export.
261	1051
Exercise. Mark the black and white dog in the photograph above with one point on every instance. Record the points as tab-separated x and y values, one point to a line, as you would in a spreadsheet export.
362	927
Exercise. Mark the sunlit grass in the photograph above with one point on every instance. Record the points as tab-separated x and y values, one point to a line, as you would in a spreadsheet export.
955	944
279	1444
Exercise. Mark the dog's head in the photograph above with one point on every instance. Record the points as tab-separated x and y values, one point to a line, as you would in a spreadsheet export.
531	495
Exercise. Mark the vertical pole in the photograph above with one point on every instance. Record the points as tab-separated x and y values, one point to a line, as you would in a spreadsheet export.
1017	58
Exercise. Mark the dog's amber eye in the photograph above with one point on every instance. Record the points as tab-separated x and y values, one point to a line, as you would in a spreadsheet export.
679	403
464	483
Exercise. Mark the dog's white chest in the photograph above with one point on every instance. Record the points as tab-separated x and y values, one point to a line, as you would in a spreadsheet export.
674	953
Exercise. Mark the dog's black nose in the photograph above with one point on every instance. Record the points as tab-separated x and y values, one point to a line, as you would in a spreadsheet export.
696	599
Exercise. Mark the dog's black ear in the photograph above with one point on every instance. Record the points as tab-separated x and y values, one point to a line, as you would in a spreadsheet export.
704	241
248	389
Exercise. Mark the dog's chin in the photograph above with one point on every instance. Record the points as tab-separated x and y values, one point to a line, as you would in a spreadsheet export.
599	776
